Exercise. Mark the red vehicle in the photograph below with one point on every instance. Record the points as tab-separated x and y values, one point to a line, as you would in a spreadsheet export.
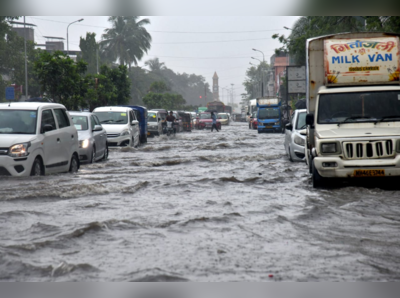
205	121
253	121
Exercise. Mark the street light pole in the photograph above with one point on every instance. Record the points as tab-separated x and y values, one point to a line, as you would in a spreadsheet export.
80	20
262	77
258	80
26	64
262	72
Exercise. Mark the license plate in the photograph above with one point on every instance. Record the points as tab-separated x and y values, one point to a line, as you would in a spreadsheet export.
269	127
148	133
369	173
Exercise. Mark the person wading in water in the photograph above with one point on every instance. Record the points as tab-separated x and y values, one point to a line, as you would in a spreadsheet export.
214	124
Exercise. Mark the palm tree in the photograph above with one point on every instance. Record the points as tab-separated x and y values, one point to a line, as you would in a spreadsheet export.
155	65
127	40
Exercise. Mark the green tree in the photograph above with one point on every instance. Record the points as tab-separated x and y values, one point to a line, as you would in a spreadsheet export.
61	78
127	40
254	76
158	97
313	26
383	24
89	51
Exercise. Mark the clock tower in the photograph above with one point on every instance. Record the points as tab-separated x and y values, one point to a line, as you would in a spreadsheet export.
215	89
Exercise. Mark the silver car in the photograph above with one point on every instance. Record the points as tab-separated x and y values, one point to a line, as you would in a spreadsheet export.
92	137
295	136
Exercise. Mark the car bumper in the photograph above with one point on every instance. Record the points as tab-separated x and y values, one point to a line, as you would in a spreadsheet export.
348	168
118	140
17	167
297	152
268	128
85	154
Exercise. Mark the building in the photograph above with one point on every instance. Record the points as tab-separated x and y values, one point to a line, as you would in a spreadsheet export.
215	88
278	63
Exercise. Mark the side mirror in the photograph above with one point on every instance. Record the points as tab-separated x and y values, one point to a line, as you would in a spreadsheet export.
303	132
134	122
289	127
159	119
47	127
97	128
310	119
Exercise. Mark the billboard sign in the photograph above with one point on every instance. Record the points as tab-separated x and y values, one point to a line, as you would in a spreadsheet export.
296	73
367	60
297	86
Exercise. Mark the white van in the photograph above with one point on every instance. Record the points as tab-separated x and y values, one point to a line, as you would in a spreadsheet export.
154	124
121	125
37	139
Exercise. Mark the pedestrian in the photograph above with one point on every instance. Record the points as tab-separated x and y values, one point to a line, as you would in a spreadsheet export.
214	122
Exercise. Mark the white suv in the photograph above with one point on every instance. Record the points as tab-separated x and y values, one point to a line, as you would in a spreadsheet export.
121	125
37	139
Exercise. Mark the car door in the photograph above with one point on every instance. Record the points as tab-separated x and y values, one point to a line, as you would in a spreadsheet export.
100	136
52	156
288	133
68	135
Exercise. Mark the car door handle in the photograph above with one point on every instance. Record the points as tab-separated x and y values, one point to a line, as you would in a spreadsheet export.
58	140
72	136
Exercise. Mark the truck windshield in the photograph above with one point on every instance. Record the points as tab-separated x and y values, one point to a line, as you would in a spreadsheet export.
268	113
18	122
359	107
152	117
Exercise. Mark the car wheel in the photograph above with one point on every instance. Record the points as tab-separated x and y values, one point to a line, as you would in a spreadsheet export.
93	158
105	156
37	168
317	180
290	155
73	168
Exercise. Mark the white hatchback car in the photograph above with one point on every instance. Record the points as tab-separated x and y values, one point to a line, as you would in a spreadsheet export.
37	139
121	125
295	136
154	124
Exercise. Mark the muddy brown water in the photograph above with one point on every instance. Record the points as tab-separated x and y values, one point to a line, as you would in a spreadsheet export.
200	206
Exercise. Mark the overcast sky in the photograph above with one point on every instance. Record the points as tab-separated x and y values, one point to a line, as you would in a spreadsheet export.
195	44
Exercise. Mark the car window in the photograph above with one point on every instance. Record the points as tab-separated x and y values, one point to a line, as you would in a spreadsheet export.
48	118
92	122
80	122
301	121
62	118
97	121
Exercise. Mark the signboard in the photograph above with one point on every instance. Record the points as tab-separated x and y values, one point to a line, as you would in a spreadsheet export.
367	60
296	73
10	93
267	101
297	86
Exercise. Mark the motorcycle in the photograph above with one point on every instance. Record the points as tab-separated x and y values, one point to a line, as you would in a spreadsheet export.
170	128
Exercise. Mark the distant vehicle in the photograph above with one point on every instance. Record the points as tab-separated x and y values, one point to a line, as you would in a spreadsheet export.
269	115
37	139
253	121
141	116
154	124
121	125
179	123
216	106
228	109
295	136
205	121
91	135
251	108
223	118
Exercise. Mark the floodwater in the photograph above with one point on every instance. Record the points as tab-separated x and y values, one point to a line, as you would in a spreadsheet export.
200	206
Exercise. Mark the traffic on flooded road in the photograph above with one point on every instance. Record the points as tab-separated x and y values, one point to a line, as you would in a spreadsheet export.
197	206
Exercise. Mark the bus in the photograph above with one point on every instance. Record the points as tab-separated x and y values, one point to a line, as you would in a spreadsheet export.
216	106
228	109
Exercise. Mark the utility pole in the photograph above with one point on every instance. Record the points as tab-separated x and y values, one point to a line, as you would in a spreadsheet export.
205	93
26	64
232	94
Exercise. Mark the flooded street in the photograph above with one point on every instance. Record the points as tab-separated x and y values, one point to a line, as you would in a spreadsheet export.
200	206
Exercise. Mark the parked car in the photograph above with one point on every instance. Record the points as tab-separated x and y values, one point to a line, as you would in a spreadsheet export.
295	136
121	125
205	121
37	139
91	135
223	118
253	121
141	116
154	124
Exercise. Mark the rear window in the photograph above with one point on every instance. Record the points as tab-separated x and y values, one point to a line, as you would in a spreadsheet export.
80	122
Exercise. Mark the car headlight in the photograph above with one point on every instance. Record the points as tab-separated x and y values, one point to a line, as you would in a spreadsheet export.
19	150
300	141
84	143
329	148
124	133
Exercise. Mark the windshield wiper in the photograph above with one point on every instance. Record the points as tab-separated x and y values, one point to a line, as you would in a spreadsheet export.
354	118
105	121
388	117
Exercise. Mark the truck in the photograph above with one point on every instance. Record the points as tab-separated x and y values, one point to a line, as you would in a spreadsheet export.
269	114
251	108
353	106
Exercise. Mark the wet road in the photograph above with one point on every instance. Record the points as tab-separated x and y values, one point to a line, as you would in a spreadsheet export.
201	206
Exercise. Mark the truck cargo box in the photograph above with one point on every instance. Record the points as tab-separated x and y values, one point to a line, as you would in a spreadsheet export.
265	102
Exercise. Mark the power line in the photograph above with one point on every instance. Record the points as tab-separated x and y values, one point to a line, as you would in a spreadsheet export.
213	41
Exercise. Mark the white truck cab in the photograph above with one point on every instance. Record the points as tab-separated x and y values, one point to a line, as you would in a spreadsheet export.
37	139
353	105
